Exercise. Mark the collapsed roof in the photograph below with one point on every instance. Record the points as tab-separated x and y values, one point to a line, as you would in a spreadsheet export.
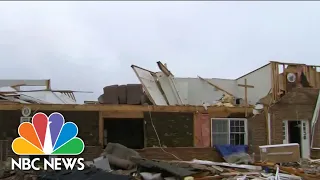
10	92
163	88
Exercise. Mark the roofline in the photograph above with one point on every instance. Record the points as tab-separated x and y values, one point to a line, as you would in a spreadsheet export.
122	108
253	71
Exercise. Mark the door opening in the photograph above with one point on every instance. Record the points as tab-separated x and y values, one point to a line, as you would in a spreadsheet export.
294	129
298	132
127	131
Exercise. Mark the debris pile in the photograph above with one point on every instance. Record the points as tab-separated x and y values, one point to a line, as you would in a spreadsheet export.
118	162
226	101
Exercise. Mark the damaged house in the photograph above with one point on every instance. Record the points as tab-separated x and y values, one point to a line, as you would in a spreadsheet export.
13	91
188	116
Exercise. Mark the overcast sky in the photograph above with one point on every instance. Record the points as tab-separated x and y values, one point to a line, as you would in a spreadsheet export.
89	45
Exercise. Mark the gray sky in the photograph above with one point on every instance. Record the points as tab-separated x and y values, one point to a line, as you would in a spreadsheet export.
88	45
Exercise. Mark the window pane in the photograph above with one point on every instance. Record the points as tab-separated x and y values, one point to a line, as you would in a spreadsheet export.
220	139
242	123
221	129
232	137
238	139
237	123
231	123
220	126
242	136
232	141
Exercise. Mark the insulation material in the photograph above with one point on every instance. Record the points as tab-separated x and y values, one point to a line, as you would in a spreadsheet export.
226	101
150	85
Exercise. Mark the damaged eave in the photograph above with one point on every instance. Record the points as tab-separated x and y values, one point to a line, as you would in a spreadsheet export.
123	108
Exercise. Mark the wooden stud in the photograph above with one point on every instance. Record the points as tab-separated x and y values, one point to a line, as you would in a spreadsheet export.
48	84
246	86
101	129
277	79
272	81
284	80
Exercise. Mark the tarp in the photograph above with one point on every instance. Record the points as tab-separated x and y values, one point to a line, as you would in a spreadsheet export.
226	150
235	153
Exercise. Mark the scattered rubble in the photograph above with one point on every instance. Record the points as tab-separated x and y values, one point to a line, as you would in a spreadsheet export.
118	162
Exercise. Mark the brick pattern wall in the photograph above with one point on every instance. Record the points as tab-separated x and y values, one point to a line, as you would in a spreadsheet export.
299	104
174	129
288	112
257	133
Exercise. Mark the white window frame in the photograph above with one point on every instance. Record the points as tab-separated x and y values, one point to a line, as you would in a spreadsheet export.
229	130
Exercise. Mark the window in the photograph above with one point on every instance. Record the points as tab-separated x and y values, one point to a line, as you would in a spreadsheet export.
229	131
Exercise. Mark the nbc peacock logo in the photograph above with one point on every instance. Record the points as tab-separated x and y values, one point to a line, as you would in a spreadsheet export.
47	136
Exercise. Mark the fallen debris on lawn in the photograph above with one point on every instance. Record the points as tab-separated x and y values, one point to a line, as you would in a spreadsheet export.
121	163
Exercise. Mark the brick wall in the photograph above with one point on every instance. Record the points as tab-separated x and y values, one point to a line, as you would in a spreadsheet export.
257	133
298	104
87	123
174	129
